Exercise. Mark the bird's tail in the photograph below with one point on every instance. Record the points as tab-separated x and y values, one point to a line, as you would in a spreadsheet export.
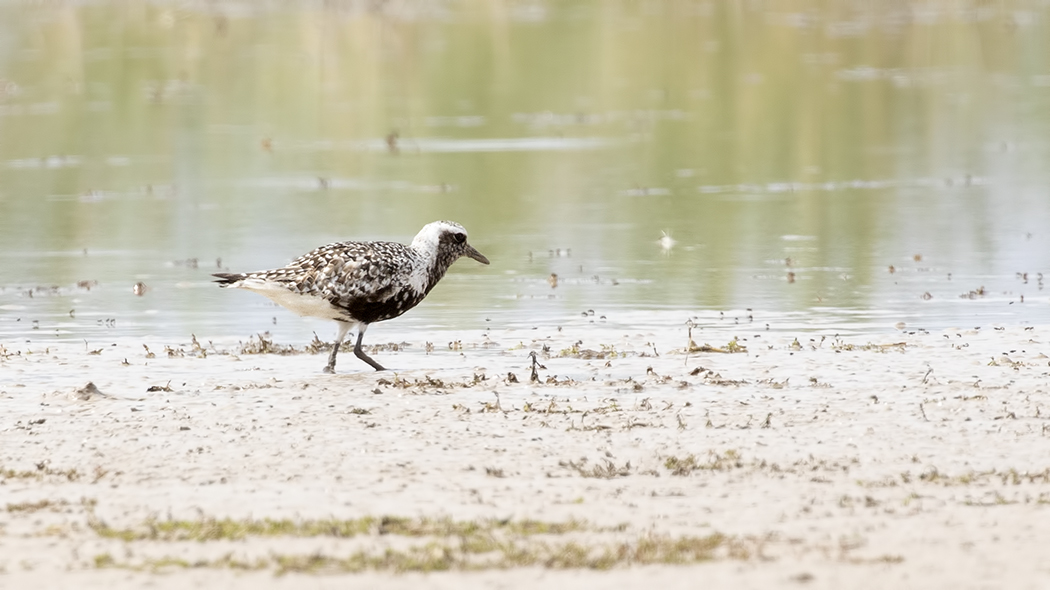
226	279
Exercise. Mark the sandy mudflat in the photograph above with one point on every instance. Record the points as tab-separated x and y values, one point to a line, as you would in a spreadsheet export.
897	460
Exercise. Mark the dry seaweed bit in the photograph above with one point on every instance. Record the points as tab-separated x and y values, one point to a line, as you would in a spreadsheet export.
198	350
429	383
608	470
388	347
839	346
553	380
771	383
43	470
260	344
553	408
492	407
733	346
397	382
689	325
730	459
926	377
212	529
36	506
317	345
535	377
607	351
712	378
149	354
573	350
451	545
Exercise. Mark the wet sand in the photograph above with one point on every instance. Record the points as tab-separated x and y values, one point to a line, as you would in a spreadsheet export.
903	459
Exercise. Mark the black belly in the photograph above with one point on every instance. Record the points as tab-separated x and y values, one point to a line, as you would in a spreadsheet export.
369	312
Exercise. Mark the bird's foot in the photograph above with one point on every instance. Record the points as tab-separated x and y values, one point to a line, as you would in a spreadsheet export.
330	369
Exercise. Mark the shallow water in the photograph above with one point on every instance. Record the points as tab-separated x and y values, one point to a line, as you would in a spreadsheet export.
669	162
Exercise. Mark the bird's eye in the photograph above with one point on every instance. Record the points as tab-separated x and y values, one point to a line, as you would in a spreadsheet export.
460	238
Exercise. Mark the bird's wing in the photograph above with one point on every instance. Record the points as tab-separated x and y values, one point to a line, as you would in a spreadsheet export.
349	272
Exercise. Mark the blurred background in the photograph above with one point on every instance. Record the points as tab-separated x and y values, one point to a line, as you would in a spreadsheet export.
818	165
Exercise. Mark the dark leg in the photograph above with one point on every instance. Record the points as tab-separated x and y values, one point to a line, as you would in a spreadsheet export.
361	354
344	327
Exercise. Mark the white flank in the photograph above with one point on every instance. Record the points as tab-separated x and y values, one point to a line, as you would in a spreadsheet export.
304	305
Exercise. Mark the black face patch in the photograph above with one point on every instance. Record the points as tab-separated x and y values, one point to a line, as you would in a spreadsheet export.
459	238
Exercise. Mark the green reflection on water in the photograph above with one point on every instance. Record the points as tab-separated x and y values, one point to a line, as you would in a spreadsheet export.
843	139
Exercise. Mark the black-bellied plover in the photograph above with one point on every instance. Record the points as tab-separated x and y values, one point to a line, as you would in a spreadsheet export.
360	283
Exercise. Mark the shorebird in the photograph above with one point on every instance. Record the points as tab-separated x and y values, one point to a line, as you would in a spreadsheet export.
360	283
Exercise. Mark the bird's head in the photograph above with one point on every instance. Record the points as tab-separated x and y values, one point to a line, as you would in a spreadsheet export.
446	241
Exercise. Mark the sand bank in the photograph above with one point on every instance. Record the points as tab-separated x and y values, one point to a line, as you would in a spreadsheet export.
903	459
